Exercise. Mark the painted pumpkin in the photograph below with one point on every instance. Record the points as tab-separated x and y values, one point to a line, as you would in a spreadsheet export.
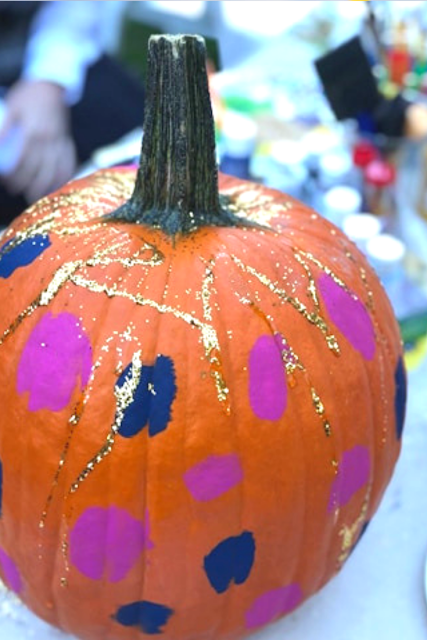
202	395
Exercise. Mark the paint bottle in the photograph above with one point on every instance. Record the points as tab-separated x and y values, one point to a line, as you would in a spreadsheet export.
379	196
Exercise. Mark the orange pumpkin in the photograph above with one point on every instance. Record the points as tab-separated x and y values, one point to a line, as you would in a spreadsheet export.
202	396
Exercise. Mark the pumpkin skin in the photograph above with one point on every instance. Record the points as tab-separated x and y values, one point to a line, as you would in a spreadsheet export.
202	393
278	365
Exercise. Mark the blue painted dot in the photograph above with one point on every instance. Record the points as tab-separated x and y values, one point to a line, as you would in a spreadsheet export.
22	253
1	488
149	617
152	400
230	561
400	397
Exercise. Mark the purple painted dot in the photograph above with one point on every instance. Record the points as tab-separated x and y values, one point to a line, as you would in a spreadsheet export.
349	315
56	358
267	378
272	605
213	476
107	542
10	572
353	474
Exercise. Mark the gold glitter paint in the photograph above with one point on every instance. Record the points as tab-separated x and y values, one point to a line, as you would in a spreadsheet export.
350	533
208	334
73	422
313	317
124	397
60	278
320	410
254	205
211	341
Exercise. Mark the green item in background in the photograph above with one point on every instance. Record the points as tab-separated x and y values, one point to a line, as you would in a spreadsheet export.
134	39
413	328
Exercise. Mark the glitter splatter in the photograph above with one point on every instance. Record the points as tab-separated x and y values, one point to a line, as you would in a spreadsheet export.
18	253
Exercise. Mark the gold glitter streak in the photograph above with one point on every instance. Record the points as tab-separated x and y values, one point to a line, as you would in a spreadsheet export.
312	317
208	334
350	533
73	422
320	410
124	398
60	278
211	342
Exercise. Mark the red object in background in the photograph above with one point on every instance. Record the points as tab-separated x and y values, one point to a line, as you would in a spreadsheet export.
380	173
380	177
399	64
364	152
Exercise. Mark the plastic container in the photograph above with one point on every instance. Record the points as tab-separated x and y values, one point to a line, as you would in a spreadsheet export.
339	203
336	169
361	228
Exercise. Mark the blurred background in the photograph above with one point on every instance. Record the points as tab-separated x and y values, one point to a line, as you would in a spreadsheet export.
324	100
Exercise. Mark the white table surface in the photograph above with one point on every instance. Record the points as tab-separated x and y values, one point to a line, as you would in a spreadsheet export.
380	592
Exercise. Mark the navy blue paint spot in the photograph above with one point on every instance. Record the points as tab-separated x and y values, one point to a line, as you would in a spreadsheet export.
21	254
400	397
148	616
230	561
1	487
152	399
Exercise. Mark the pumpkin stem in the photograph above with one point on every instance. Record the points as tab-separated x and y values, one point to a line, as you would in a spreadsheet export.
176	188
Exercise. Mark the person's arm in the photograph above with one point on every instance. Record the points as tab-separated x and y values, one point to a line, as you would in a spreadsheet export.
64	41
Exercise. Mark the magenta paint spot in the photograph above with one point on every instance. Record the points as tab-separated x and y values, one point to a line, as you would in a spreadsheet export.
107	542
56	358
213	476
10	572
267	378
272	605
353	474
349	315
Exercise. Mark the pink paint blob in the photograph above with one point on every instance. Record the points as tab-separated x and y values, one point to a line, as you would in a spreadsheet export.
267	378
10	572
56	358
273	604
213	476
105	543
353	474
349	315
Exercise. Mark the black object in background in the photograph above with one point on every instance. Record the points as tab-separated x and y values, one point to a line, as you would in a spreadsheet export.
352	91
348	81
